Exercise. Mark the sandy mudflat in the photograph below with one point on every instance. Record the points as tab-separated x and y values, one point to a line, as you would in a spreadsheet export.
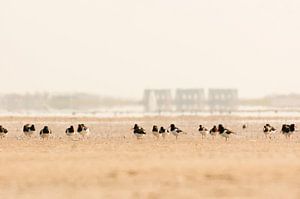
113	164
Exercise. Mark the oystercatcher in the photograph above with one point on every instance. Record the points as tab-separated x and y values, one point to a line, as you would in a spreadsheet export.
3	131
163	132
174	130
155	131
288	130
83	130
70	131
214	131
203	131
28	129
45	132
224	132
269	131
138	131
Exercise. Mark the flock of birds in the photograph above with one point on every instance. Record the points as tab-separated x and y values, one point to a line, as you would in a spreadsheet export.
46	132
268	130
139	132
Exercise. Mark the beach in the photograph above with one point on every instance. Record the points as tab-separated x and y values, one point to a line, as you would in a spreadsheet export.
112	163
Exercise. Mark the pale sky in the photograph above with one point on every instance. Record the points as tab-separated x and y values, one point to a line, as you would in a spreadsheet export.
118	47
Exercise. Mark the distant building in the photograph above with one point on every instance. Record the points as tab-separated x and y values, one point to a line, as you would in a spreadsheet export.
189	100
223	99
157	100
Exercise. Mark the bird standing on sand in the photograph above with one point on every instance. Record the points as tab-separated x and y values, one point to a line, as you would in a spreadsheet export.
70	131
45	132
269	131
83	130
155	131
28	129
3	131
138	132
203	131
224	132
214	131
174	130
163	132
288	130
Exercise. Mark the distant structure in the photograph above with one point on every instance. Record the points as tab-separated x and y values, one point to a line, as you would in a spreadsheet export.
223	99
189	100
157	100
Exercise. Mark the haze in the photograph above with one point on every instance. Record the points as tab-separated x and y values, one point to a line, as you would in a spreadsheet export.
119	47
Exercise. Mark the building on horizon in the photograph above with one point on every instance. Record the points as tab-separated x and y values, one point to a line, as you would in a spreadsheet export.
157	100
223	100
189	100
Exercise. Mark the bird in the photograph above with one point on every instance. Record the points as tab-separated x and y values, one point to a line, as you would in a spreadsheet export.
70	131
244	126
45	132
269	131
28	129
155	131
288	130
293	128
214	131
203	131
224	132
83	130
138	131
3	131
174	130
163	132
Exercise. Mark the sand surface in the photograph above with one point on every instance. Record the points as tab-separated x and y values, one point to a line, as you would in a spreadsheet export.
113	164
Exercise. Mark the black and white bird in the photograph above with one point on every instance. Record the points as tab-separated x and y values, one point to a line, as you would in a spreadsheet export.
163	132
155	131
70	131
138	131
203	131
28	129
83	130
288	130
269	131
214	131
174	130
224	132
293	128
45	132
3	131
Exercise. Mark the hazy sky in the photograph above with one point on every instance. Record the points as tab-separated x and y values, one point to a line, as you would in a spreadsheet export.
118	47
